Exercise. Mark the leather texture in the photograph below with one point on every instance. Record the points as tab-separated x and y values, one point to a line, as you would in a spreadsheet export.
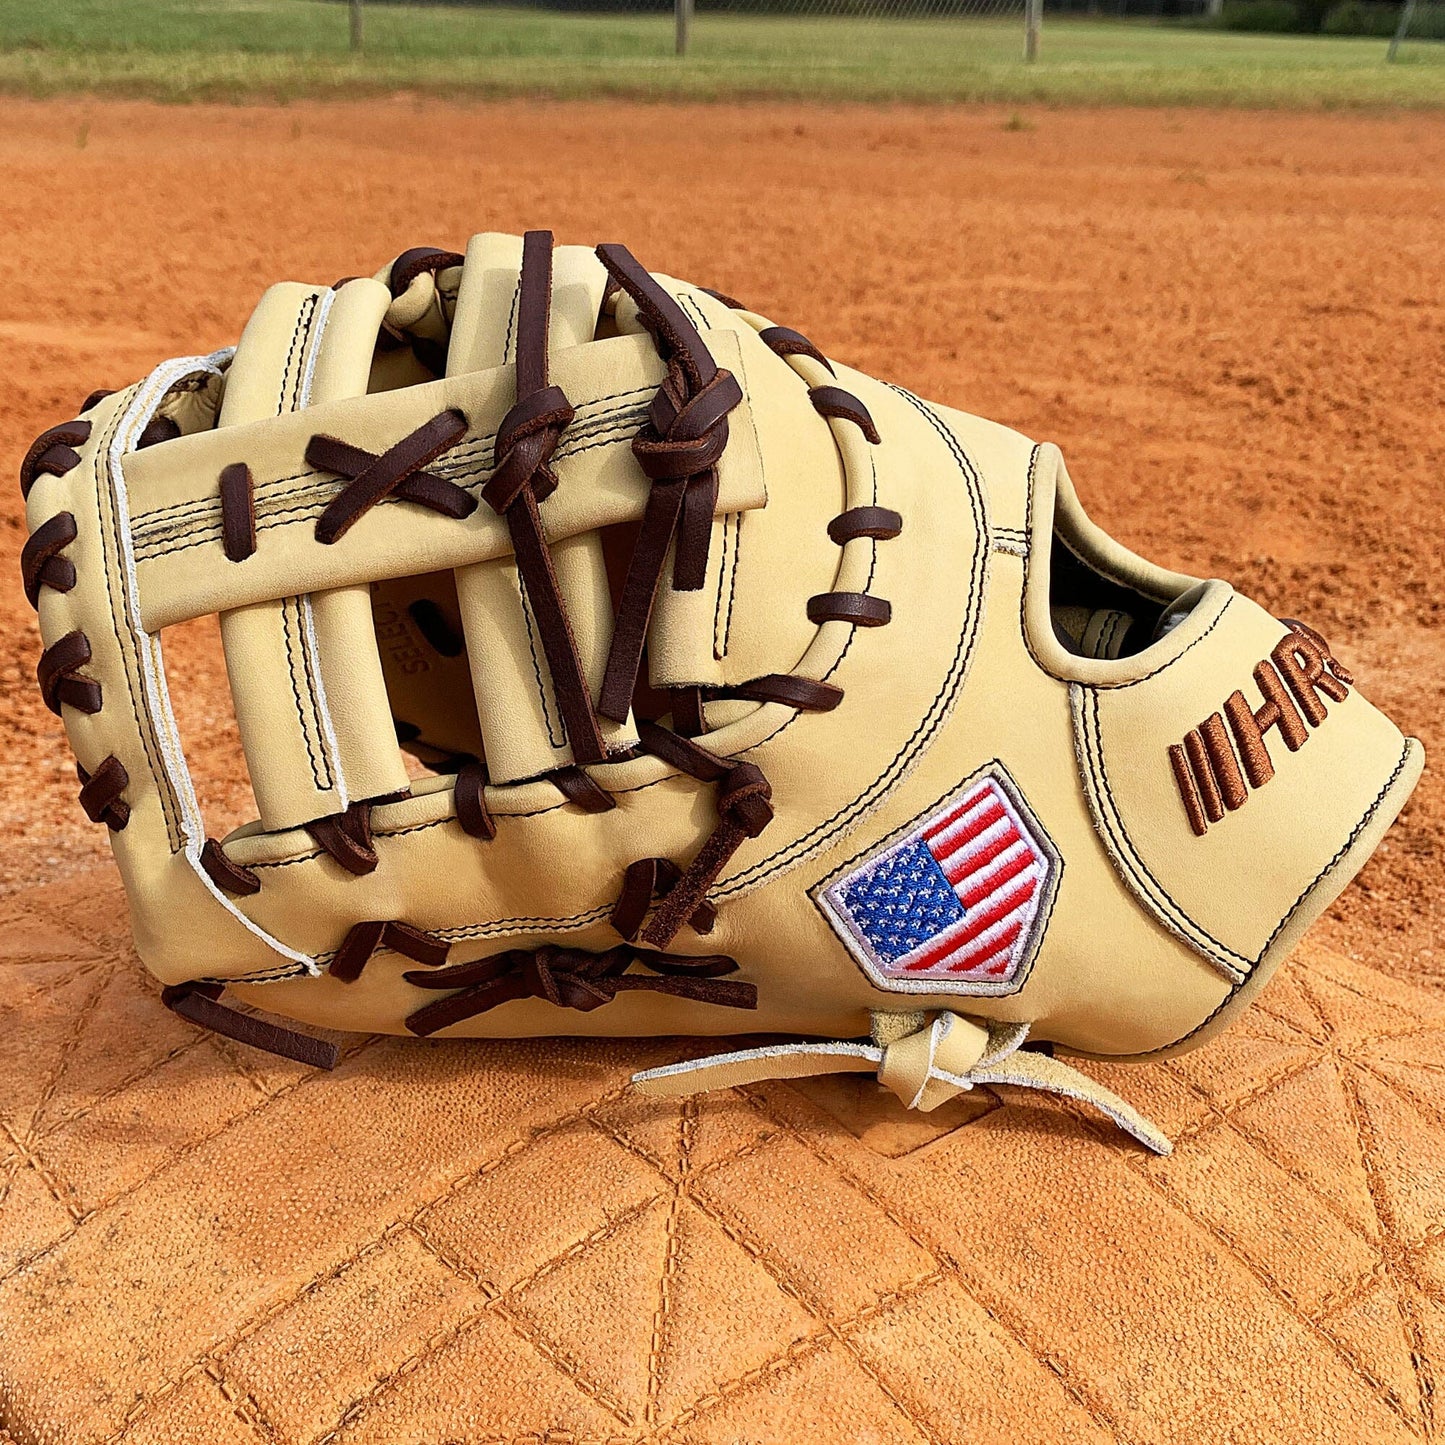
1152	923
500	1241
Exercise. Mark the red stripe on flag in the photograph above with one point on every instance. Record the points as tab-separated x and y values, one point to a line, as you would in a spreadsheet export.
985	919
965	934
949	819
961	869
981	890
987	817
1004	946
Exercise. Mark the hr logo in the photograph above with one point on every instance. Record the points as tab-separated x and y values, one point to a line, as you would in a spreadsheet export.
1294	680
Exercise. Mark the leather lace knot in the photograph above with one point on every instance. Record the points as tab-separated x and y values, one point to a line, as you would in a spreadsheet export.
572	978
526	439
523	477
686	434
745	798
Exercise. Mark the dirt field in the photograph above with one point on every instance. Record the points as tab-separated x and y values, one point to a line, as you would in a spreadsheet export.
1232	323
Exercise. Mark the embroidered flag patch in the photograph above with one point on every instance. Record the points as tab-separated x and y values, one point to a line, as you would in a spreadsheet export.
956	902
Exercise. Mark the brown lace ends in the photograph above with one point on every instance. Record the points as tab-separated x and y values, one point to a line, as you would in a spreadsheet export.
397	471
745	809
573	978
804	693
645	880
364	939
523	478
197	1003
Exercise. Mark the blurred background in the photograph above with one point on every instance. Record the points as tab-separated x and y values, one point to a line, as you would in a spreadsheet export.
1251	52
1197	243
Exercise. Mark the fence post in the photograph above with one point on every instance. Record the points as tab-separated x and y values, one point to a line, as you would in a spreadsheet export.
1407	13
1033	21
682	10
355	17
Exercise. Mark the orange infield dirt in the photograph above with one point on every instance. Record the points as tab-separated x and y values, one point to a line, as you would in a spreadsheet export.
1232	324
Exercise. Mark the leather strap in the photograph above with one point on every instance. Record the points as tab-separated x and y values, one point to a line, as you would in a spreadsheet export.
197	1002
931	1061
582	789
644	880
573	978
53	453
347	838
787	342
227	875
469	799
678	448
363	939
399	469
410	264
100	793
57	672
238	512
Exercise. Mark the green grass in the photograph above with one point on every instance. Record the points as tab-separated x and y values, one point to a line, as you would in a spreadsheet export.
283	49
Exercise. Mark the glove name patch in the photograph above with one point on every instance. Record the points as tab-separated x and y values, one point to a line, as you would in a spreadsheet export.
957	901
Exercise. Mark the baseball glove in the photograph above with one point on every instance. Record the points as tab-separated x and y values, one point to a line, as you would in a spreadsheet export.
607	660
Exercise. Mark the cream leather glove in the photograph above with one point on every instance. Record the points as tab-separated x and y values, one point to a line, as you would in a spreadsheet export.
607	660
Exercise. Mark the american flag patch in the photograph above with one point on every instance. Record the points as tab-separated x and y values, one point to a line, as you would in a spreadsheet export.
954	903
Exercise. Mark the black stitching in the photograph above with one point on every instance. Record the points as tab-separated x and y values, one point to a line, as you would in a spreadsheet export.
323	783
1298	903
1040	925
302	320
614	435
1180	925
556	736
105	504
581	425
512	321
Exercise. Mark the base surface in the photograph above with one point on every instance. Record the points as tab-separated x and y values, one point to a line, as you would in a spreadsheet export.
497	1242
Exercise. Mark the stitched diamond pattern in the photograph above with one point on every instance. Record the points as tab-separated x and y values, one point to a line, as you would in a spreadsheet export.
499	1243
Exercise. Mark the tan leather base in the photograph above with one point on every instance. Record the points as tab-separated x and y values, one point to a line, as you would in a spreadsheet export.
495	1241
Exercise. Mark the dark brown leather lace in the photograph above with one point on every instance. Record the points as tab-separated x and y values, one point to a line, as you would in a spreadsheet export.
524	477
572	978
678	449
198	1002
397	471
744	806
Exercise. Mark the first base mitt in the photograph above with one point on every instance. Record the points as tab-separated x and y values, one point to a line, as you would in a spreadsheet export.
608	660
